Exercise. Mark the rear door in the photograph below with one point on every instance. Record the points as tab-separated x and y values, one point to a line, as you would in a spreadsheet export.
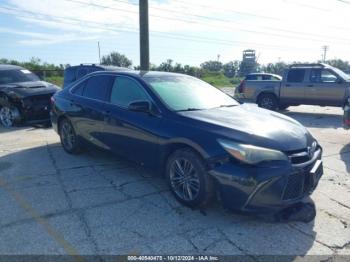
89	103
325	88
293	87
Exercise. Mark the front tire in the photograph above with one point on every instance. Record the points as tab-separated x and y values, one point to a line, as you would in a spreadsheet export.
188	178
268	101
9	115
69	140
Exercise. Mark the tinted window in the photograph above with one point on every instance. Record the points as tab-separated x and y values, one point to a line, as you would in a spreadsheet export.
296	75
322	76
17	76
81	72
97	87
125	91
79	89
69	75
252	77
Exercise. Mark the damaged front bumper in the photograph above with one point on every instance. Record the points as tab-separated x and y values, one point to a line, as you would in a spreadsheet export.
36	109
268	188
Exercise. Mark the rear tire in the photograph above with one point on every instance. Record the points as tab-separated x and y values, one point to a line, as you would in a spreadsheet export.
188	178
268	101
69	140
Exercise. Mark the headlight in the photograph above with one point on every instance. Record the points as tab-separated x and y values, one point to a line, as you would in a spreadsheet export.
251	154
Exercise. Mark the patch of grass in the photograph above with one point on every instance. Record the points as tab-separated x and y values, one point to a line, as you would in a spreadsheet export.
218	79
56	80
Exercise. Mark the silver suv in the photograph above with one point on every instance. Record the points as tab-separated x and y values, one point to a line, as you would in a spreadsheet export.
307	84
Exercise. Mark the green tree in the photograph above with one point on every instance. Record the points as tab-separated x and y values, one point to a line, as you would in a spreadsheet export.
116	59
212	66
231	68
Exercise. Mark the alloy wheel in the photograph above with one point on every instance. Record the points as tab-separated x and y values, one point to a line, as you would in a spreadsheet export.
7	116
184	179
267	103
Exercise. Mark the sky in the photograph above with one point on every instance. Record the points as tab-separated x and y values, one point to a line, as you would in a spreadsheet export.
186	31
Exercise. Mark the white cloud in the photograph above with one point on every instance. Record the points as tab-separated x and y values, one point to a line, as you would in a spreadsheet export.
290	29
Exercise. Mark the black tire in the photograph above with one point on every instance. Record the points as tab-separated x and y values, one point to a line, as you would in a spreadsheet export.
268	101
196	175
9	115
283	107
69	140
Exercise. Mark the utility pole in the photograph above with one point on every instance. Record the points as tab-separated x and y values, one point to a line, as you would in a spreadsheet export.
325	49
99	51
144	35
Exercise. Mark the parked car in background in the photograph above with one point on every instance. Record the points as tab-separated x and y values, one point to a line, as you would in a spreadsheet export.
74	73
23	97
262	77
302	84
200	138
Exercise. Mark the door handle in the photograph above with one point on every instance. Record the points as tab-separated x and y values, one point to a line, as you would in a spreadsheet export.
287	85
310	85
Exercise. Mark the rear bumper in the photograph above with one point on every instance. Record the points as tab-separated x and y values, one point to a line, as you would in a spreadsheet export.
267	189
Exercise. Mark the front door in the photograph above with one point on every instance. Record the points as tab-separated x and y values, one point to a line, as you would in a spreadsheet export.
132	134
325	88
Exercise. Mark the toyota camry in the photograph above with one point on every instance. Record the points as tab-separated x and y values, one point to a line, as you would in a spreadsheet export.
203	141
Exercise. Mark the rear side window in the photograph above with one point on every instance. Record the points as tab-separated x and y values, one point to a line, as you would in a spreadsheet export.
126	91
79	89
69	75
97	87
251	77
296	75
81	72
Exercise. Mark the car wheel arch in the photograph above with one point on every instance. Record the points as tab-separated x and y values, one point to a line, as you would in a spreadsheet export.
173	146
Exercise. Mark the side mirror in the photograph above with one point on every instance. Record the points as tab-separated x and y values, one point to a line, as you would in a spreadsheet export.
340	81
140	106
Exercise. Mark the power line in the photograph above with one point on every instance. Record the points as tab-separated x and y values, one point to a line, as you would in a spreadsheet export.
231	21
208	24
134	30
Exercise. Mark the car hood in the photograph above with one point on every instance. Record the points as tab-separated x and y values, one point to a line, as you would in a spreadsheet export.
25	89
252	125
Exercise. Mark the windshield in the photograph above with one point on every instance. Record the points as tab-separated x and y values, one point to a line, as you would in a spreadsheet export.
17	76
342	74
188	93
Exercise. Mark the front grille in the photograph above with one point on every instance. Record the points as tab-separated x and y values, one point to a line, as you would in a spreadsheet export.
40	100
299	157
294	187
298	185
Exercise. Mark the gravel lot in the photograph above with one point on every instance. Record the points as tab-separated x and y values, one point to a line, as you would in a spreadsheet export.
96	203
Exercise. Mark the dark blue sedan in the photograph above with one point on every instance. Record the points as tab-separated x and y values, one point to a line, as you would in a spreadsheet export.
201	139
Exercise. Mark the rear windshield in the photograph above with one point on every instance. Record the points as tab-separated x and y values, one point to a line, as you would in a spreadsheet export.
17	76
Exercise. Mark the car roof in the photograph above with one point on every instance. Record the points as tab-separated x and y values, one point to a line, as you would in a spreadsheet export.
263	74
104	67
10	67
141	74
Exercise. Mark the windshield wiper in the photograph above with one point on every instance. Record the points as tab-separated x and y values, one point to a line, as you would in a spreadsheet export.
189	109
227	105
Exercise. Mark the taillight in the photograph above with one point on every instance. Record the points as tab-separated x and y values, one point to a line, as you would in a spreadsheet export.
240	88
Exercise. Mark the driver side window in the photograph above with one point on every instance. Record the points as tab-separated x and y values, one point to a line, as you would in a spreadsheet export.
322	76
125	91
